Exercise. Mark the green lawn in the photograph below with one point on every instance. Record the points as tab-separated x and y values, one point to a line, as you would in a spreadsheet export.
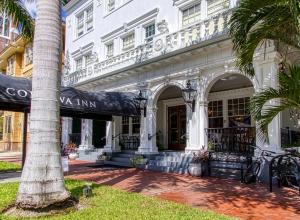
6	166
110	203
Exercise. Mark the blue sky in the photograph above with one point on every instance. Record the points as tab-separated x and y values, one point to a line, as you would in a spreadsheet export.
31	7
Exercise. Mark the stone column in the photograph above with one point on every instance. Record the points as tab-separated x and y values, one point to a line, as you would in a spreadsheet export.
203	116
192	132
66	129
112	135
86	134
148	133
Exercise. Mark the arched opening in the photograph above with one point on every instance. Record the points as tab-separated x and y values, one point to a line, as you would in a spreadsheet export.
230	126
171	120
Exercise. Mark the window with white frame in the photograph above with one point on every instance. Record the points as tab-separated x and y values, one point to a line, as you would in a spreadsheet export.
125	125
110	49
10	69
88	58
128	41
191	14
215	114
136	124
149	32
4	25
84	21
239	112
111	5
216	6
78	63
28	55
7	125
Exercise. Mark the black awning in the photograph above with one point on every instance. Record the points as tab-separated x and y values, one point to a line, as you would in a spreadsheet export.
15	95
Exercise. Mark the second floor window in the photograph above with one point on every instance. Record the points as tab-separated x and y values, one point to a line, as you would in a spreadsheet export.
84	21
191	14
28	56
4	25
88	59
149	32
216	6
10	69
128	42
110	50
78	64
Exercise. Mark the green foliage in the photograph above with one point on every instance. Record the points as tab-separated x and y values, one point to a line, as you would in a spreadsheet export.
136	160
6	166
287	96
112	204
255	21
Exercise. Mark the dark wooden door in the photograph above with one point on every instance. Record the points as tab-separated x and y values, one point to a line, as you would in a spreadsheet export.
177	127
99	133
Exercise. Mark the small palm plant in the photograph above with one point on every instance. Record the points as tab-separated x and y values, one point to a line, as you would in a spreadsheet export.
286	97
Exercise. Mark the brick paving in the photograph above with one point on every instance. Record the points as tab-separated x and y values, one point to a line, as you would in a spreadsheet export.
229	197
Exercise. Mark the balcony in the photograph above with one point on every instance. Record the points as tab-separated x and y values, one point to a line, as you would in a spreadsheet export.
162	44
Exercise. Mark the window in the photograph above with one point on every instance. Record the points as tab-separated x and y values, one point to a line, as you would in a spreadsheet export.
215	114
149	32
110	50
111	5
238	112
191	14
28	55
125	125
136	124
80	24
84	21
128	42
216	6
10	69
7	124
88	59
4	25
89	18
78	64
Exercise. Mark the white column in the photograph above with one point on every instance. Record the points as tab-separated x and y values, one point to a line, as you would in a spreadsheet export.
148	133
193	121
66	130
112	135
86	134
203	116
232	3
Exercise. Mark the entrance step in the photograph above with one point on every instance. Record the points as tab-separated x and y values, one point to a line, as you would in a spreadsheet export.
117	163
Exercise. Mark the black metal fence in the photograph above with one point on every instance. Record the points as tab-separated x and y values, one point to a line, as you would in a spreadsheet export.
232	140
129	142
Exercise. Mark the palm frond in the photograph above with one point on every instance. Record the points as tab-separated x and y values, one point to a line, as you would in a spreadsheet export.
17	11
255	21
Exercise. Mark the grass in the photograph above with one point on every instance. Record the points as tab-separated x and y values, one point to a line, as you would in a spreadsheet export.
7	166
108	203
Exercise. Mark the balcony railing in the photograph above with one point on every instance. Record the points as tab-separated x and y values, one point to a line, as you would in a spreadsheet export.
162	43
237	140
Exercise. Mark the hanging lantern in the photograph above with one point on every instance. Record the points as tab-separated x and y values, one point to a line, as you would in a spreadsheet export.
189	95
142	99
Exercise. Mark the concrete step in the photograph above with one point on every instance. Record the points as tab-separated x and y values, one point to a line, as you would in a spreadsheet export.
121	159
132	152
124	155
115	163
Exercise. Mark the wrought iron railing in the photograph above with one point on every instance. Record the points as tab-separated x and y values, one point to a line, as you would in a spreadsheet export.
237	140
129	142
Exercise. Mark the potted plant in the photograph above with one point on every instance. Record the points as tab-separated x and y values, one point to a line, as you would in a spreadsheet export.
138	161
103	157
199	163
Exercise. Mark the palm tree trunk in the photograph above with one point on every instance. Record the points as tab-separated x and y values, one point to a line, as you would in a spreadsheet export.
42	181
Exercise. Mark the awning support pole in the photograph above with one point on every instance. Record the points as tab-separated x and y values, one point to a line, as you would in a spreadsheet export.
24	146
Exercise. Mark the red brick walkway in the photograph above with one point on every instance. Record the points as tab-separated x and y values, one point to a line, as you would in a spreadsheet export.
228	197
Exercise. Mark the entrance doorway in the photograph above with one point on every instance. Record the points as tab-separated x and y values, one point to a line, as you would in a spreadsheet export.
99	133
177	127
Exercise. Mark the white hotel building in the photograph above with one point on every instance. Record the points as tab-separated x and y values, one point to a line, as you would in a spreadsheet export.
158	46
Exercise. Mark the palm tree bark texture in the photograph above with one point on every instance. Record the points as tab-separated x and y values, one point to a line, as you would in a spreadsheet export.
42	181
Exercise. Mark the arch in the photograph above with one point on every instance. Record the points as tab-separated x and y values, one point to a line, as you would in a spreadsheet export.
158	90
209	80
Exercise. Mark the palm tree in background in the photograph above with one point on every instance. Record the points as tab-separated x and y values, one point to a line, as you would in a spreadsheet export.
287	96
255	21
42	181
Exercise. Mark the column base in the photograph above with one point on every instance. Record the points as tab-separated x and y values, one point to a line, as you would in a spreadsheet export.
147	151
86	147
